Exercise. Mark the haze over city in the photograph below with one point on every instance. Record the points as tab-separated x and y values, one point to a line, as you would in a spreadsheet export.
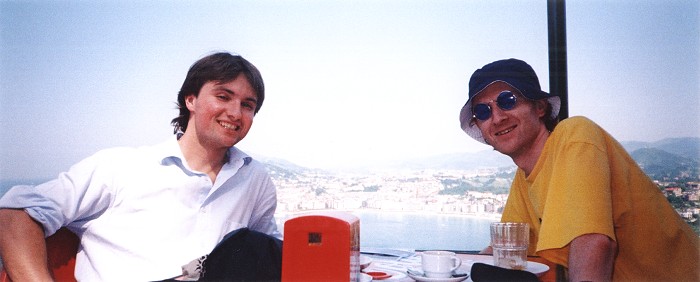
348	83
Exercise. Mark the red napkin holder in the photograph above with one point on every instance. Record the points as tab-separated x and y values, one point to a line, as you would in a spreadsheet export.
322	246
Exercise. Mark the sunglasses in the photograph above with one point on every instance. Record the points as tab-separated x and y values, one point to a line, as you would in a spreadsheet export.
506	101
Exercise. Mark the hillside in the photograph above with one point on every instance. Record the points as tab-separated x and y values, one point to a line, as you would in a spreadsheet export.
660	164
688	147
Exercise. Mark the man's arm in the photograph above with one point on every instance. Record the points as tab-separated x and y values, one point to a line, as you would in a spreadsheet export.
591	258
23	246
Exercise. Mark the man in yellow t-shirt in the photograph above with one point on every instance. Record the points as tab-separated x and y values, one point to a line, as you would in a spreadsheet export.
589	205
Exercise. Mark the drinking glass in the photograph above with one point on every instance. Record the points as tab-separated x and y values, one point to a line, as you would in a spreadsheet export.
509	241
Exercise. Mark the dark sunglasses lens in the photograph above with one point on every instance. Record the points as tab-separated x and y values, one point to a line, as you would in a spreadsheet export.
482	111
506	100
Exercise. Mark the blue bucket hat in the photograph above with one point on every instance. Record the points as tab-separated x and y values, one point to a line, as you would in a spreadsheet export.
516	73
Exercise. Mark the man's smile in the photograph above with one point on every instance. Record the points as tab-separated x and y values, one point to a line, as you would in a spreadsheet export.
229	126
505	131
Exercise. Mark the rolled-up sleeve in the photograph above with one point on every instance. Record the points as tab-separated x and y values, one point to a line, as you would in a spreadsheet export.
81	193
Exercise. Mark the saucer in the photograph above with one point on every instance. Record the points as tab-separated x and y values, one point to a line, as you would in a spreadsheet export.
417	274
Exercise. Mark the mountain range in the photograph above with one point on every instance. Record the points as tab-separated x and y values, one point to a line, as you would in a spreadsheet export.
688	147
667	157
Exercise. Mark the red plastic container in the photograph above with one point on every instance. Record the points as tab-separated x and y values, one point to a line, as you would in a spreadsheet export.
321	246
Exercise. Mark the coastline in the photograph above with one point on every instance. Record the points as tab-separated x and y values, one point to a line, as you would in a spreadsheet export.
489	216
485	216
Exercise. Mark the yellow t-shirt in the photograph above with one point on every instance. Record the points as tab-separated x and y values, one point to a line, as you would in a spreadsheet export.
585	182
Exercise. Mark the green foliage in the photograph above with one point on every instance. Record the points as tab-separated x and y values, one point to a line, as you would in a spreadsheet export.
371	188
462	186
676	202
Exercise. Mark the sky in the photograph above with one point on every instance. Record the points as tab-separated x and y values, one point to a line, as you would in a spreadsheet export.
348	83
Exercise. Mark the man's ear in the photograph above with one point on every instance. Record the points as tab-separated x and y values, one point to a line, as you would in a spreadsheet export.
541	107
189	101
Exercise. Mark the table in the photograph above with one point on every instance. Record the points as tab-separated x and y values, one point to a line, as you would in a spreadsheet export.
398	265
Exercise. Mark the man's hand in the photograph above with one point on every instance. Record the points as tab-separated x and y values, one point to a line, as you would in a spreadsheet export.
591	258
23	247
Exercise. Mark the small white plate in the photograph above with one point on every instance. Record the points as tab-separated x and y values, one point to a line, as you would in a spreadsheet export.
364	277
417	274
536	268
429	279
532	267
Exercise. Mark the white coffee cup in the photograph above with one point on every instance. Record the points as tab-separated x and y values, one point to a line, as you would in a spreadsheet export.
439	264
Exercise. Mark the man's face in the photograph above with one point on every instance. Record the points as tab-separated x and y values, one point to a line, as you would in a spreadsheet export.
223	113
515	131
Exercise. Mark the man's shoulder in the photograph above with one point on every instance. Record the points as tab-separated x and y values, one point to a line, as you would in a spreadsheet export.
581	130
115	153
126	153
576	128
576	123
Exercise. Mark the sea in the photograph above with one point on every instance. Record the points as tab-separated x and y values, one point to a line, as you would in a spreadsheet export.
423	231
417	231
412	230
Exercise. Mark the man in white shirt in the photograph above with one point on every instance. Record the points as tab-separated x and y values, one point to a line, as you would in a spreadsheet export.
143	213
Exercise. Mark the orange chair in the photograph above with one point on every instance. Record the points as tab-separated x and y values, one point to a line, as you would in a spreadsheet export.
61	249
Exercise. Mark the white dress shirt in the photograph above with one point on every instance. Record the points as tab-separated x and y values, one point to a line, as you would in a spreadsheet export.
142	213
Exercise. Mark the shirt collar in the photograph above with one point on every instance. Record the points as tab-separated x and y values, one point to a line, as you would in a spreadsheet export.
169	152
236	154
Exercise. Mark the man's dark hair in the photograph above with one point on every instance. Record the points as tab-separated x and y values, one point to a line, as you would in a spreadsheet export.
219	67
